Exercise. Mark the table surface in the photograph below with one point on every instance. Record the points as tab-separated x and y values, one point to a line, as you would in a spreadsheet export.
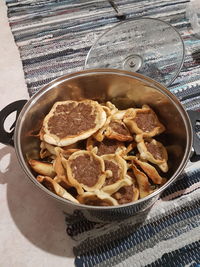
32	227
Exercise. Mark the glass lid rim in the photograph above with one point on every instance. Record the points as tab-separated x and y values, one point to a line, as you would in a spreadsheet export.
138	19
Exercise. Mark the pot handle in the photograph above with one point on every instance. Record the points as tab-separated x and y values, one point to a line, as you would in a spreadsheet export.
7	137
194	118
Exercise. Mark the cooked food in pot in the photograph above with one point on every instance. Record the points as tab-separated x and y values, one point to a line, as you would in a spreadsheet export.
82	119
97	155
106	146
126	194
154	152
143	122
85	171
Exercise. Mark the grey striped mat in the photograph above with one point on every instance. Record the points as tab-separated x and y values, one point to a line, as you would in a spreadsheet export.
54	37
169	235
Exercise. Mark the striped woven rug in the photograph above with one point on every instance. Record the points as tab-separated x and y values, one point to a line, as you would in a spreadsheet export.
169	235
54	37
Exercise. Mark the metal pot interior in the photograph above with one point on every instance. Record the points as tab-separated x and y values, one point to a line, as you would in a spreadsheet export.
125	90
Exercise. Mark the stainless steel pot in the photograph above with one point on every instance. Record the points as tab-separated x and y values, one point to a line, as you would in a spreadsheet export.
124	89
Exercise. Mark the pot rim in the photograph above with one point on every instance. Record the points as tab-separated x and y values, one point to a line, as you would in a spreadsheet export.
137	76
